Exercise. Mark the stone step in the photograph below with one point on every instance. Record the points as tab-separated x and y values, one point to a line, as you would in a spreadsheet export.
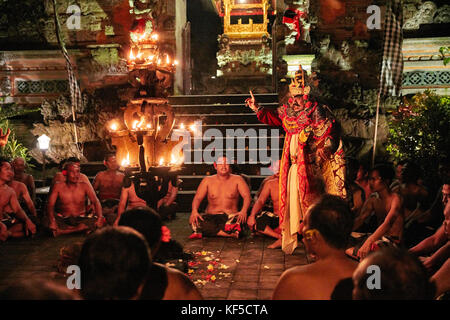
220	98
219	108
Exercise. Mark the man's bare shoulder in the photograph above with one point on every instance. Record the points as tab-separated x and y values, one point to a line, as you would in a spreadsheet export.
180	286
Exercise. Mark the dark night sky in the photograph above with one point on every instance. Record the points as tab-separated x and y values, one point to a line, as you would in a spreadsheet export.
206	25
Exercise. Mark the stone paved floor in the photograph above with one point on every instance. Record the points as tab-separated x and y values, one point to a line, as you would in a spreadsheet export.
252	269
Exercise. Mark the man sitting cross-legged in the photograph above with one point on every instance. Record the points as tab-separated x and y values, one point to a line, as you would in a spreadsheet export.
19	167
388	209
108	184
13	220
222	217
71	195
326	232
267	222
23	196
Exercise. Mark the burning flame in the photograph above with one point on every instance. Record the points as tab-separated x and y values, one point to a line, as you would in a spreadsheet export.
149	126
182	126
175	62
173	160
113	126
126	162
134	126
167	59
193	127
161	161
132	57
154	36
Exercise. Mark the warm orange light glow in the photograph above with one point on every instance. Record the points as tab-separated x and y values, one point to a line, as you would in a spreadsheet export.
132	57
161	161
167	59
126	162
155	36
113	126
134	126
175	62
182	126
193	127
173	160
149	126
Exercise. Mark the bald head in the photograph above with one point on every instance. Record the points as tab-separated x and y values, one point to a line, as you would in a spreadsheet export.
18	165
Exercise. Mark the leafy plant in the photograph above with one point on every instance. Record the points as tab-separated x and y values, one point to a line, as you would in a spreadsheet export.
419	131
13	149
445	51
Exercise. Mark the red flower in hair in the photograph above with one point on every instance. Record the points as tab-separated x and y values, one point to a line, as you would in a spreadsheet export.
165	234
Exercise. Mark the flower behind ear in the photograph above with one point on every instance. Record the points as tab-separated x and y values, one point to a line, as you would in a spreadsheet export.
165	234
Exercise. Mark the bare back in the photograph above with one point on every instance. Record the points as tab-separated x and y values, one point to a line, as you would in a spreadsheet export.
315	281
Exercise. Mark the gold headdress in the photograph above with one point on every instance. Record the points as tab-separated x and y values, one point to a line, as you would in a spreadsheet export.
297	86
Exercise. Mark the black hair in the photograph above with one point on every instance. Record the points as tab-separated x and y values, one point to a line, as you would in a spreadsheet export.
109	155
114	263
411	172
146	221
331	215
385	171
3	160
352	166
403	277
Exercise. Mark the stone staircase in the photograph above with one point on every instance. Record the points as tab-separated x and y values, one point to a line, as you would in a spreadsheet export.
221	113
230	119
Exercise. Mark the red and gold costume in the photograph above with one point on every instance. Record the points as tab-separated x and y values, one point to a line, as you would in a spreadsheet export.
304	175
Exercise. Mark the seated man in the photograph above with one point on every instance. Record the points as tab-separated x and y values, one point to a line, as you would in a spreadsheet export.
167	207
267	222
163	283
436	248
387	207
415	196
327	227
128	199
108	184
401	276
442	279
71	195
61	176
13	220
222	217
106	275
19	166
23	197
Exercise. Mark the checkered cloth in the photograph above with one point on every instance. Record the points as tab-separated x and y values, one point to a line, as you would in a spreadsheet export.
392	65
75	92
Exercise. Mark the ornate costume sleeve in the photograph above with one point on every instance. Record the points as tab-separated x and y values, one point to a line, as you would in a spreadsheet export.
326	129
269	116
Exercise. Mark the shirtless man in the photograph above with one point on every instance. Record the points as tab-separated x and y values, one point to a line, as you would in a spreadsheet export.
387	208
267	222
128	200
72	200
9	205
23	196
435	250
61	177
327	227
222	216
108	183
19	166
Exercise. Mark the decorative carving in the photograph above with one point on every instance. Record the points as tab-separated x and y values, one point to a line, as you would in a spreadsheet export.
5	86
425	14
442	15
